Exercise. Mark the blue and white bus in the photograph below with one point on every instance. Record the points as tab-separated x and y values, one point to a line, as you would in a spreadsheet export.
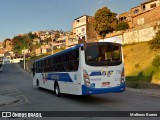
85	69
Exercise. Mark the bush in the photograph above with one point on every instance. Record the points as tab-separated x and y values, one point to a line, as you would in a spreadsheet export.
156	61
122	26
155	42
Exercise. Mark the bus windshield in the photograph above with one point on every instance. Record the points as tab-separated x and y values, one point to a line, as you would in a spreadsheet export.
104	54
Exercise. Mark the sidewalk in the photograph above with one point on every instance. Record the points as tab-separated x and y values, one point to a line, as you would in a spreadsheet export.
5	100
155	92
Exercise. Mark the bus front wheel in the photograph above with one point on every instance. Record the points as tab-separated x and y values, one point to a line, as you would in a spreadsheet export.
37	83
57	90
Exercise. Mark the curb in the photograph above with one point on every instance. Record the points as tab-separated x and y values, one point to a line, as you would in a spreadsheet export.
155	92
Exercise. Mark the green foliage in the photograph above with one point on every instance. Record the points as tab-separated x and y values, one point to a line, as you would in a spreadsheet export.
48	40
156	61
155	42
57	35
4	43
105	21
21	42
32	36
122	26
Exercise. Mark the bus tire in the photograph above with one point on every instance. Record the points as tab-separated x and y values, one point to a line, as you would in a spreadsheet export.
37	83
57	90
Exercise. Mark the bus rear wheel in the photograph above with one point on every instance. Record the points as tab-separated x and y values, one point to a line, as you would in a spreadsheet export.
57	90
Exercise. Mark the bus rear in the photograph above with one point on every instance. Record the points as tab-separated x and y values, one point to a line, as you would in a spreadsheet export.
103	68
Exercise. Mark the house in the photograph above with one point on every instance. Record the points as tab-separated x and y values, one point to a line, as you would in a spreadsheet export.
1	45
146	12
71	41
36	41
26	51
82	27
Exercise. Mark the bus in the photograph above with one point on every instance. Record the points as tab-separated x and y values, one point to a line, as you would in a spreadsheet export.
1	62
85	69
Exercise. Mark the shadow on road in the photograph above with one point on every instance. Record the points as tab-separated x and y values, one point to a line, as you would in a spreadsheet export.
85	99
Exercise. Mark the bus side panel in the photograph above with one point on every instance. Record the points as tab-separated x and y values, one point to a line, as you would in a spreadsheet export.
69	88
43	81
75	87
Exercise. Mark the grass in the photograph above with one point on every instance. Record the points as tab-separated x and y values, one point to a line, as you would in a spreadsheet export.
139	70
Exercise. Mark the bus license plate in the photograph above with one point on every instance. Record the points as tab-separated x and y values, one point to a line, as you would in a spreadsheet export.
104	84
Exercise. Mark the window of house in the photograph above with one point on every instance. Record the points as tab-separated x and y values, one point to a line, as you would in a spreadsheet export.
136	11
77	20
153	5
143	7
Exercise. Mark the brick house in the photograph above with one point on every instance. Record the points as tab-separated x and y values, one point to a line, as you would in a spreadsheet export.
146	12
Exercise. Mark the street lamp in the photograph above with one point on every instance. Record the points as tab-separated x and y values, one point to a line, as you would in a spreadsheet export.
52	45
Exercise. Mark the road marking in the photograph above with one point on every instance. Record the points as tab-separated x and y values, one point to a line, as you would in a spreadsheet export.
13	92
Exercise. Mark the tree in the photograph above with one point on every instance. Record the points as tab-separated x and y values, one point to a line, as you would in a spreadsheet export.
17	44
105	21
155	42
57	35
4	43
32	36
122	26
21	42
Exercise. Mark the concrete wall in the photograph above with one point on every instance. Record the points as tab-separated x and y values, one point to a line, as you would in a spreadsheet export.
140	34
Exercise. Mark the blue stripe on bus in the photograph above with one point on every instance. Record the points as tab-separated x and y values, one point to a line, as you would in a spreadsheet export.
96	73
88	91
59	77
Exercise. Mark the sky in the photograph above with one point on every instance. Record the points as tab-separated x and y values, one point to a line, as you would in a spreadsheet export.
23	16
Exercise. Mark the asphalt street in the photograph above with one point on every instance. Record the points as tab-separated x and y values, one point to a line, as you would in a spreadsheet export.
16	83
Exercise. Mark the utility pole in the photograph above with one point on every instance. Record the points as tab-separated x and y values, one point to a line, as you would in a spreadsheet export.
24	59
52	45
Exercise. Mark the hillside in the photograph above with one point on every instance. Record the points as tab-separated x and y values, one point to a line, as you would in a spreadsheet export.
138	63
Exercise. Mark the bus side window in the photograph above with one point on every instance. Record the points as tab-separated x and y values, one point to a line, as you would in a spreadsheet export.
74	55
74	65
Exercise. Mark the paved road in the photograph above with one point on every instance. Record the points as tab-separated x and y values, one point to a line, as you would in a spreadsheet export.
16	83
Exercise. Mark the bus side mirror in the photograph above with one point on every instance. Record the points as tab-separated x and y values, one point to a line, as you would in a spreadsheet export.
33	69
82	48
